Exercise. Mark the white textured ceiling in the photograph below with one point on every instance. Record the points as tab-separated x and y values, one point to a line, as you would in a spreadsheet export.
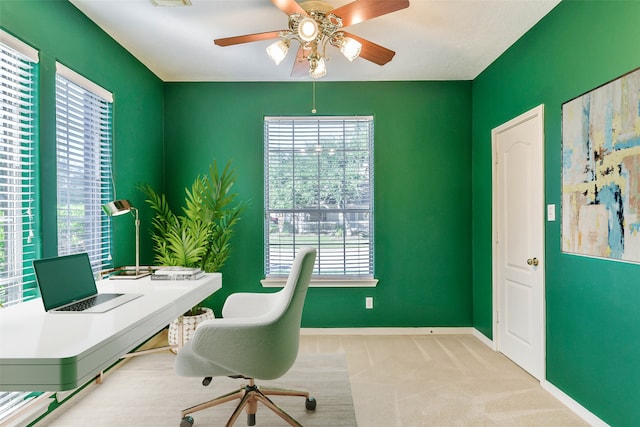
433	39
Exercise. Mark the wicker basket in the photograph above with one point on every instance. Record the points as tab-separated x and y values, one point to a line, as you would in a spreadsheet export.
182	329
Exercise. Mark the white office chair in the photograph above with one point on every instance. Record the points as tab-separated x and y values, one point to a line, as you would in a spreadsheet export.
257	338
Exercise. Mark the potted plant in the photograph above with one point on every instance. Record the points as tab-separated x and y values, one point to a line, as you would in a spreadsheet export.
197	238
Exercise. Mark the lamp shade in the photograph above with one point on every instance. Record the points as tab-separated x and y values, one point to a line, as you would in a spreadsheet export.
278	50
350	48
117	207
318	68
308	29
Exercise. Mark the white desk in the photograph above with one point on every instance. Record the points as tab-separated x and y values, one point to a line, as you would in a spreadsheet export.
40	351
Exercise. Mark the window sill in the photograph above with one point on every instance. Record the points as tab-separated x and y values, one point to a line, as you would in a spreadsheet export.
279	282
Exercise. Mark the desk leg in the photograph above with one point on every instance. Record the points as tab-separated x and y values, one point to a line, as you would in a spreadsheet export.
172	347
101	376
151	350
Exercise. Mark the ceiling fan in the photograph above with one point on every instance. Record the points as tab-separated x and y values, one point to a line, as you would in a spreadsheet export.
314	24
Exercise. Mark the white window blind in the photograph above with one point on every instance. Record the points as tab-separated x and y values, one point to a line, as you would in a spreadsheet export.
83	151
319	192
17	175
18	121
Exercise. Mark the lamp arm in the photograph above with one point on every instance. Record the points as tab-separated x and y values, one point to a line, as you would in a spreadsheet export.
137	222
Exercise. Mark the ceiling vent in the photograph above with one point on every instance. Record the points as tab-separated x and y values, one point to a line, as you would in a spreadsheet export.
171	3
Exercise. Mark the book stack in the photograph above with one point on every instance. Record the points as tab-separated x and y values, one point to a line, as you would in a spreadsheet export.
177	273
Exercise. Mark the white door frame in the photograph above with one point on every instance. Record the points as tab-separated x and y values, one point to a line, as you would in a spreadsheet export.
533	113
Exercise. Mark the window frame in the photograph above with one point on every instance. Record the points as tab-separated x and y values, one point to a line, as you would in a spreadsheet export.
347	123
84	114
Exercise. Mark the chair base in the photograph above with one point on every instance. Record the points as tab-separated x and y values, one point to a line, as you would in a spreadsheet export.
249	396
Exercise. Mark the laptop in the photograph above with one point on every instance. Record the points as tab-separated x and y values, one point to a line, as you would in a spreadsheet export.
67	285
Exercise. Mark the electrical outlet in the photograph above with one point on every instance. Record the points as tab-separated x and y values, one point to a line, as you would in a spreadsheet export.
368	303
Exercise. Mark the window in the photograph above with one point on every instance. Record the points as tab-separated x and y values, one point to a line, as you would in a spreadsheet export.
319	192
18	135
83	152
17	173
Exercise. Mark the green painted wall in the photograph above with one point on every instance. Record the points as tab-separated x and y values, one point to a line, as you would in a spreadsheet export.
433	202
423	193
422	188
592	306
62	33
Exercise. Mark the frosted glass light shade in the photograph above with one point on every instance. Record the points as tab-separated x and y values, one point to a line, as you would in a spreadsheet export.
319	71
350	48
278	51
308	29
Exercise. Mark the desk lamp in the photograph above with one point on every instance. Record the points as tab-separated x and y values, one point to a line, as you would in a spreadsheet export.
120	207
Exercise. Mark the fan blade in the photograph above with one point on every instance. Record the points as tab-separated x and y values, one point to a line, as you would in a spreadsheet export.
229	41
372	52
300	65
362	10
289	7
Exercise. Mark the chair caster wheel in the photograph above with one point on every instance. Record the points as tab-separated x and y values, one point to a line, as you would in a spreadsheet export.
251	419
310	403
186	422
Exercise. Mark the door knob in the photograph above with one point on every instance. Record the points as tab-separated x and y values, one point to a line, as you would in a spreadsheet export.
533	261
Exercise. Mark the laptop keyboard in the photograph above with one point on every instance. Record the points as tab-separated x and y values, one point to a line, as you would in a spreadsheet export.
89	302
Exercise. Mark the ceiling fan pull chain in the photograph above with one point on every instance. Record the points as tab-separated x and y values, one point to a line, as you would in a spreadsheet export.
313	107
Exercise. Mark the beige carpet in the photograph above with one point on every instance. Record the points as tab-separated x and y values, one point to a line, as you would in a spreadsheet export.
439	381
146	392
395	381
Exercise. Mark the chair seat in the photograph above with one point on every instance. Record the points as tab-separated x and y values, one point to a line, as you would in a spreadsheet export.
190	364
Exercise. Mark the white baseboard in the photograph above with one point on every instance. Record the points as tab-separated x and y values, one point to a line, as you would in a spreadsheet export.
387	331
574	406
579	410
484	339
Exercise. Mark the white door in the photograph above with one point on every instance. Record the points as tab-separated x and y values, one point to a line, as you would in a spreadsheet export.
518	233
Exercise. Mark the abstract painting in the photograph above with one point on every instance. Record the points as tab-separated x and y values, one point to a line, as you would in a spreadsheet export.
601	171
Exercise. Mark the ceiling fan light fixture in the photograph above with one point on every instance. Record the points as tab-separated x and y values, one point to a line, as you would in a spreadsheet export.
350	48
278	51
317	68
315	24
308	29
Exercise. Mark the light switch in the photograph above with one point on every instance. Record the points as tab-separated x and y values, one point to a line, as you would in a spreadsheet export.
551	212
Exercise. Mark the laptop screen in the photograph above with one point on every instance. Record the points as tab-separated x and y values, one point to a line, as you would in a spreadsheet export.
64	279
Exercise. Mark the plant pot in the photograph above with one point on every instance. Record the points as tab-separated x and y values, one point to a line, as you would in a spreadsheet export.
182	329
